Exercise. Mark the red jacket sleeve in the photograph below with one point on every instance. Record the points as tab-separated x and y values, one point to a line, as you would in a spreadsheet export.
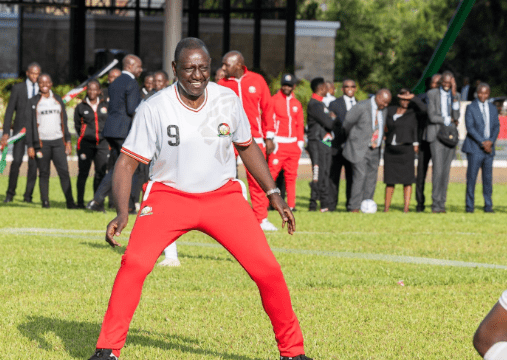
300	122
268	122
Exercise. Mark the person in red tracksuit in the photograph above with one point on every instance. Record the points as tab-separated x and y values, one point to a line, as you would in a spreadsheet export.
289	137
89	119
256	100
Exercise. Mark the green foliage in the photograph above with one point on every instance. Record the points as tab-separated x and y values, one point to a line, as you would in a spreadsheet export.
387	43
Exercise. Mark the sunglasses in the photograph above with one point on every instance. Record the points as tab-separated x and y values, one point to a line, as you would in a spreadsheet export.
350	86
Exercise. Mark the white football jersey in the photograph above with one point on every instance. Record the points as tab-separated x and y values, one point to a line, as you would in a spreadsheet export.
190	149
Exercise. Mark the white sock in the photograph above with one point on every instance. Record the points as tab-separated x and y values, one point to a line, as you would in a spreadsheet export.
171	252
497	352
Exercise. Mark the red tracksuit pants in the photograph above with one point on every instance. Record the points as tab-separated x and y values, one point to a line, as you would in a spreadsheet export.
224	215
258	198
286	157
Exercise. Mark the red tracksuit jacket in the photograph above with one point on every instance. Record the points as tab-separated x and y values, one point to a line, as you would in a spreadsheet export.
288	117
256	99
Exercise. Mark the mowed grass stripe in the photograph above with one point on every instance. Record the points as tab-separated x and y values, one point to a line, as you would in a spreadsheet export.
64	233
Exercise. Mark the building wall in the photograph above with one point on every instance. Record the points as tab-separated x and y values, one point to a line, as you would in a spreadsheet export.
46	40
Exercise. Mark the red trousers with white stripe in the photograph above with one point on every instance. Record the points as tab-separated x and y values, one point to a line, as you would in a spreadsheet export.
258	198
286	157
224	215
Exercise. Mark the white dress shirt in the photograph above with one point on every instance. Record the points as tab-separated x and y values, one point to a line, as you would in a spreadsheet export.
328	99
445	105
484	106
349	102
30	88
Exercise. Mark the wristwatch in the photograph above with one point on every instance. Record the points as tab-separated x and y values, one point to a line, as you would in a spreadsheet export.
272	191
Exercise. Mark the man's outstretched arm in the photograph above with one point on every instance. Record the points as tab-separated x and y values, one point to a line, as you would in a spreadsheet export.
256	163
122	182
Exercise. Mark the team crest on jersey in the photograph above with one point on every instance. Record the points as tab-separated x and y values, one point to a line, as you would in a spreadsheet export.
86	112
103	110
147	210
326	110
83	156
252	89
295	108
39	154
275	162
224	130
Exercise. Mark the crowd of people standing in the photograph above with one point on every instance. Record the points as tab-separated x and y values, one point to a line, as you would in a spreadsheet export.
342	133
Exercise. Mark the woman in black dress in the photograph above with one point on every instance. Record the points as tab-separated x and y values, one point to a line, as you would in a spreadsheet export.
401	145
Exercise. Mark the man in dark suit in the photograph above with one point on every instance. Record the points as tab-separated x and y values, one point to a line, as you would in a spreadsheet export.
124	97
443	109
364	128
320	124
20	95
483	126
340	107
424	153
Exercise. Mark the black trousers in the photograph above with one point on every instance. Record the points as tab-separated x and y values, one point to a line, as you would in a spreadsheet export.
90	152
18	152
337	163
423	156
53	150
106	185
320	155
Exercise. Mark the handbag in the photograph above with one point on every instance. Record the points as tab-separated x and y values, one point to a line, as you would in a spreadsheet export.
448	135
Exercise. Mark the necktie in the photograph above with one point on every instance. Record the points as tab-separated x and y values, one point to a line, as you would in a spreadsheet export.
374	137
486	122
33	89
351	103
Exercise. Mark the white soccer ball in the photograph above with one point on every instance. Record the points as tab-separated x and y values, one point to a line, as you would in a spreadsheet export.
368	206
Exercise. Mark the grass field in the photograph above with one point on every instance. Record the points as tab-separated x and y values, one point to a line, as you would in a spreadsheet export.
343	271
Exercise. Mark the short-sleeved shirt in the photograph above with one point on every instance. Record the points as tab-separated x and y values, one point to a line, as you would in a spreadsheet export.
190	149
49	118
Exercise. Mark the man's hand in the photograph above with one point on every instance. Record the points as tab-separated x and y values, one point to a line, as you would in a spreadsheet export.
487	146
283	209
270	146
31	152
68	148
332	114
453	87
3	141
408	96
115	228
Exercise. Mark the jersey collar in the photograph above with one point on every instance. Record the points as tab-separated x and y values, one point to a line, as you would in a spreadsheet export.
317	97
188	107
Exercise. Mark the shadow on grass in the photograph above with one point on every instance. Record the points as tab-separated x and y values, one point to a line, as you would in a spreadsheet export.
77	336
104	245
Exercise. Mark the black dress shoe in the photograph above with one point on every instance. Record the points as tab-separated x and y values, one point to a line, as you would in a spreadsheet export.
71	206
8	199
491	211
29	201
80	206
45	204
93	206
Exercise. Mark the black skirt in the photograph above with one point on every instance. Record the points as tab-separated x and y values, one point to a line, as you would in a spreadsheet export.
399	164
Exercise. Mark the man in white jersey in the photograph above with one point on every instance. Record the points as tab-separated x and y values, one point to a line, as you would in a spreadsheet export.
188	131
490	339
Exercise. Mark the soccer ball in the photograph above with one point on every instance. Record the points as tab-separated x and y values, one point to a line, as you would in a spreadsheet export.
368	206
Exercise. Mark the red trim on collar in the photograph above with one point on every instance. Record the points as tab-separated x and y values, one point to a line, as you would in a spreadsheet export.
188	107
317	97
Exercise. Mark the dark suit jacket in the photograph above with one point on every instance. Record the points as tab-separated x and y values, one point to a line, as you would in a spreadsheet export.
475	128
319	121
124	97
435	114
32	133
17	103
405	127
339	108
358	127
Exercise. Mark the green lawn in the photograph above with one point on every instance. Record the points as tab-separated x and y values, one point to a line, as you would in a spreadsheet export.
55	285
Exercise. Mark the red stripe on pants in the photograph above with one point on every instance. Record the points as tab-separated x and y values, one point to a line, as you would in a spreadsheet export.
224	215
258	198
286	158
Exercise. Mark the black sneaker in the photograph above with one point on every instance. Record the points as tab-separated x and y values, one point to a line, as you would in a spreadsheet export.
45	204
299	357
105	354
94	206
